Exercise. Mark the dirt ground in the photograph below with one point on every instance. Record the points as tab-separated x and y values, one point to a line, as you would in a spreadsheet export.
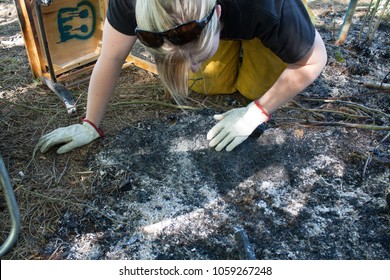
323	193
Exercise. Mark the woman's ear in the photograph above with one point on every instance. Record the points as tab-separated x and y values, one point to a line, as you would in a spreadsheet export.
219	11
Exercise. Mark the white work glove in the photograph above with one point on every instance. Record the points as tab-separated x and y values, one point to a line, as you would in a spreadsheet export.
236	125
72	136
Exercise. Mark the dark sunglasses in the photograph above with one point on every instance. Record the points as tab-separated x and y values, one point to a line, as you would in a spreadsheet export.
179	35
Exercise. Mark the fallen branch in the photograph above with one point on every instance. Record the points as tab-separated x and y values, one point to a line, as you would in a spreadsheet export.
317	111
300	107
377	85
352	104
342	124
135	102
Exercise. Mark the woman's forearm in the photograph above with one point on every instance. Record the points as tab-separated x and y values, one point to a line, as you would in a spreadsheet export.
102	85
115	48
296	77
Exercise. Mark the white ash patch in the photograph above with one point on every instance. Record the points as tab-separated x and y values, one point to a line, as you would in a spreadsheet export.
172	197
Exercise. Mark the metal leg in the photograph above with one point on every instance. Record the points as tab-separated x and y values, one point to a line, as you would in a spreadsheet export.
57	88
62	93
5	184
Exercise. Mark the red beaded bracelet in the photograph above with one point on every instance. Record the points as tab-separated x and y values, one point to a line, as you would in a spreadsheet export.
262	109
101	133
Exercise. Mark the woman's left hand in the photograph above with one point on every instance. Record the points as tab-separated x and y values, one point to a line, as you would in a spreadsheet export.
235	126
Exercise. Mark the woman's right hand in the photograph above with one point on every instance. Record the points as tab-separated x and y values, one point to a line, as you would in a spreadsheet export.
115	48
71	137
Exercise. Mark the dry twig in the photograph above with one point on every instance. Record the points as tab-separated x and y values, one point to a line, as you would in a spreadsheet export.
377	85
150	102
341	124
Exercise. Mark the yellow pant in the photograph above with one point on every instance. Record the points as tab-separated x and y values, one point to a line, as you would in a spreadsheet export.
224	73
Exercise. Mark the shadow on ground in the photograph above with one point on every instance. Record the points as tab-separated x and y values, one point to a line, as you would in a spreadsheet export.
166	195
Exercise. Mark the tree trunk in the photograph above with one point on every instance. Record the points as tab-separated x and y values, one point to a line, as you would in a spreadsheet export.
347	22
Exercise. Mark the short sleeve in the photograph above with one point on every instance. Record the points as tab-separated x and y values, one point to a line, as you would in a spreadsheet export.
121	16
293	37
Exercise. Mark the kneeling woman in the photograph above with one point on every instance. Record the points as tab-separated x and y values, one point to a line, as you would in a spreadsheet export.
269	51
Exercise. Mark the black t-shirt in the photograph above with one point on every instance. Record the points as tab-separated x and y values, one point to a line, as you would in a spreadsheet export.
283	26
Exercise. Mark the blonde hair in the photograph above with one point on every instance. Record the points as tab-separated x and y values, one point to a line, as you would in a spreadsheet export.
173	62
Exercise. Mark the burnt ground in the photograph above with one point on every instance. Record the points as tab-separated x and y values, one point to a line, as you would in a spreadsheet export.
313	183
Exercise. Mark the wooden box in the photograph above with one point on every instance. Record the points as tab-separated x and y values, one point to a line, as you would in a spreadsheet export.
63	40
62	36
